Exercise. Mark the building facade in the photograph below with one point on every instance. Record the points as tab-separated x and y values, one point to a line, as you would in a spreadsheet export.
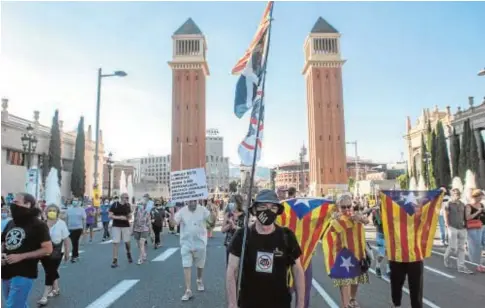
323	75
415	133
189	71
217	166
14	159
291	174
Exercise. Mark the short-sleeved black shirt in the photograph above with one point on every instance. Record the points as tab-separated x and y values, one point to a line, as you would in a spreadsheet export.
267	259
119	209
23	238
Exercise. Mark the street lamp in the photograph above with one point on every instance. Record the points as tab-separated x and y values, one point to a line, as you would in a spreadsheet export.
29	143
303	152
98	107
481	72
110	163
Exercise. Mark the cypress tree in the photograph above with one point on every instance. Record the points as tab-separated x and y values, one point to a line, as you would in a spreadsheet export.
464	152
474	158
78	175
442	157
55	160
424	162
455	153
429	146
435	162
481	165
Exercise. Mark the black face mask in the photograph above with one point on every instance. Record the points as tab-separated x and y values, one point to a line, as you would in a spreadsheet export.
20	213
266	217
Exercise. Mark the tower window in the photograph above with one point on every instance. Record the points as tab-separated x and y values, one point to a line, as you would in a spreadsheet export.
187	139
330	170
338	138
340	169
320	137
178	140
337	106
321	170
187	106
329	137
328	105
187	77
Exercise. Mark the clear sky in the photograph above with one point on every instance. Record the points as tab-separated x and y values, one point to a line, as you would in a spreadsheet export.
402	57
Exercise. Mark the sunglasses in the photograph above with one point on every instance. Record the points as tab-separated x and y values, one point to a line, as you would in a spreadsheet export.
346	207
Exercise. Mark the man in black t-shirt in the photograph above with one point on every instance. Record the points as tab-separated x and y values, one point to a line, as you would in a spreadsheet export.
25	240
270	251
120	213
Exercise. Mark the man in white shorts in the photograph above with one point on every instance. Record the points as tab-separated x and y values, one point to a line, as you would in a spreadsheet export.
193	243
120	212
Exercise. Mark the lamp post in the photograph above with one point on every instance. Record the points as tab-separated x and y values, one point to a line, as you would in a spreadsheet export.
109	162
303	152
29	143
98	107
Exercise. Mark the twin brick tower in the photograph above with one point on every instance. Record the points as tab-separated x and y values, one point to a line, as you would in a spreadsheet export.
323	75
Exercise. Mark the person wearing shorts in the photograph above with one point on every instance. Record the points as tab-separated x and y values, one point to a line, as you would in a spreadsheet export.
142	229
120	213
193	243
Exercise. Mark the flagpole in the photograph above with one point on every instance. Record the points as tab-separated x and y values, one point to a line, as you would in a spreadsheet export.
253	167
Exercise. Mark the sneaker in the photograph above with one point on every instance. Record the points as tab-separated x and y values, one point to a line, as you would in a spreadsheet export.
378	272
187	296
200	285
43	301
140	262
465	270
114	264
353	303
130	259
54	293
481	269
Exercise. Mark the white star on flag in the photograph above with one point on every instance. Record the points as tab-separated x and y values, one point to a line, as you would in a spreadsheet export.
306	202
410	199
347	263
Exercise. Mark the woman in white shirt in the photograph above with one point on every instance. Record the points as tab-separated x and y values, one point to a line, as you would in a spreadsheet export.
60	243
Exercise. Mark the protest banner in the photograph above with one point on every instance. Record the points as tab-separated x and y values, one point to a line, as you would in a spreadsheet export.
187	185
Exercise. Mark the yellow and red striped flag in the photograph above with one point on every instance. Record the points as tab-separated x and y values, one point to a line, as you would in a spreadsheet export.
409	220
343	239
260	32
306	217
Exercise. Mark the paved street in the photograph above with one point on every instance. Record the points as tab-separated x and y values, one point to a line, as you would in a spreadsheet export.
91	283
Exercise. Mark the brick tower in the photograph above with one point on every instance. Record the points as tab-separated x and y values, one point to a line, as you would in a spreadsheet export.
326	126
189	71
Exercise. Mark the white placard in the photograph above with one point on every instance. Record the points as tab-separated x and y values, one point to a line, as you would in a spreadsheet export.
187	185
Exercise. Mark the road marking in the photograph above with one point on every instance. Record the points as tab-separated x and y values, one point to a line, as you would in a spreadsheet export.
113	294
406	290
165	255
330	302
442	254
429	268
107	242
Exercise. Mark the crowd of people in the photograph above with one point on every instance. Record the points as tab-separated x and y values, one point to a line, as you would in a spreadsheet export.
31	234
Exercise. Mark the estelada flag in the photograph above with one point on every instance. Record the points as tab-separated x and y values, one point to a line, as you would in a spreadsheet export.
409	220
306	217
343	245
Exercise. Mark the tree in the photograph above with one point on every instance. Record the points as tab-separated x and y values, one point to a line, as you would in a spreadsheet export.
431	147
474	158
424	162
443	160
464	152
481	165
403	181
55	160
455	153
78	175
351	182
233	186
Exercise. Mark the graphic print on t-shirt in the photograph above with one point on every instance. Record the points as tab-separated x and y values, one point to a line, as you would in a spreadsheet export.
264	262
14	238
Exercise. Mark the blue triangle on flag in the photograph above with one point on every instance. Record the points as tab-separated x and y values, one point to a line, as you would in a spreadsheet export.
304	206
411	200
346	265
